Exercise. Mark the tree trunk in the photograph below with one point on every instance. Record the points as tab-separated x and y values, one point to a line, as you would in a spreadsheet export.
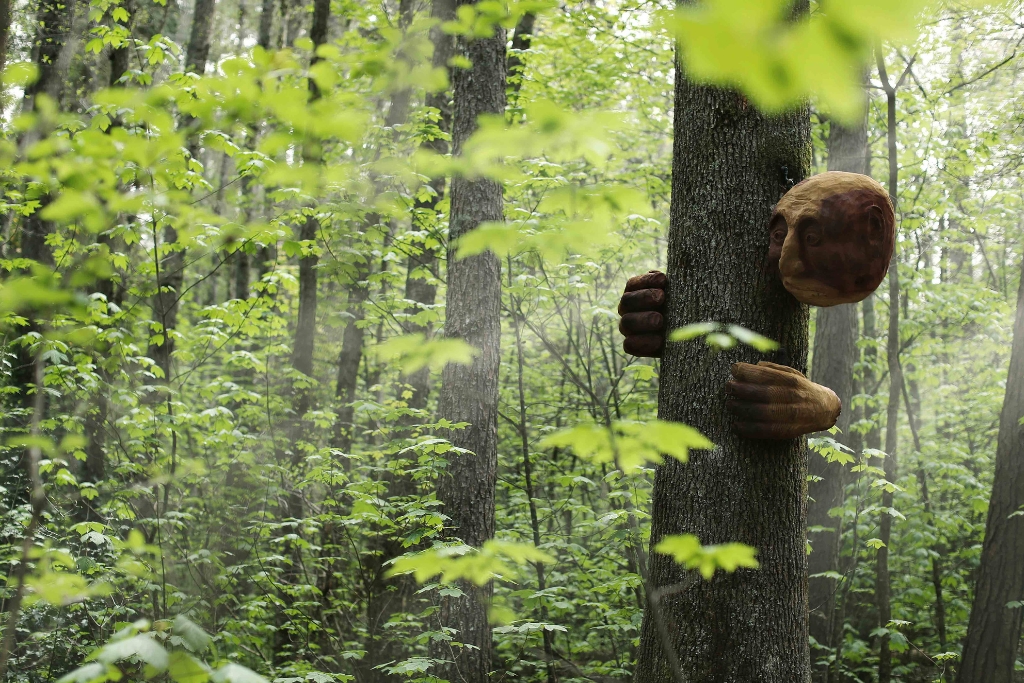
883	597
198	50
5	32
302	350
171	264
469	393
835	351
422	266
730	166
266	24
389	596
993	634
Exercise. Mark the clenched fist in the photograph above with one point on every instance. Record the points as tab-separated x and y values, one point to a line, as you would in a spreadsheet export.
770	401
641	308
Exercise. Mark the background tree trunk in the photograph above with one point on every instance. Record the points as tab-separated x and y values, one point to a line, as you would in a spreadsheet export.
171	272
883	597
993	634
469	393
730	167
835	351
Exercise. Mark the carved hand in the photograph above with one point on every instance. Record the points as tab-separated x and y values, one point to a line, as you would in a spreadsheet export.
641	308
772	401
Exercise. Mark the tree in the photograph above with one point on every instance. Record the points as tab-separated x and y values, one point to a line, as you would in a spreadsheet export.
882	587
469	393
731	164
835	350
993	635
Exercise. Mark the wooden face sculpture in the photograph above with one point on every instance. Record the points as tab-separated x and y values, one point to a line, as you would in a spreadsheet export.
831	240
832	236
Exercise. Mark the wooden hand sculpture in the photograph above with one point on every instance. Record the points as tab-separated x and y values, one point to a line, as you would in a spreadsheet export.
641	308
770	401
830	239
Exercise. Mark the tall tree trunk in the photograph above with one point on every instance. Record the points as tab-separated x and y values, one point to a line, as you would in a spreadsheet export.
5	32
835	351
198	50
993	634
302	349
883	597
469	393
424	266
171	262
388	596
53	22
266	24
730	165
353	338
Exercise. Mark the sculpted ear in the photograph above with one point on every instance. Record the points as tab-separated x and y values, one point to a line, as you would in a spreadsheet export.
876	225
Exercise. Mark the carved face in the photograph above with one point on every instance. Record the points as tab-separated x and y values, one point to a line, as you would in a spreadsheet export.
832	236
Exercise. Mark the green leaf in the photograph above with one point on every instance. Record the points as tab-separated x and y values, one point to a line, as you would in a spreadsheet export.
94	672
413	352
750	338
236	673
142	647
461	562
687	551
195	637
692	331
182	668
630	444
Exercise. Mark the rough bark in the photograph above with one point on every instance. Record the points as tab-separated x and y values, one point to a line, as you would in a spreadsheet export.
5	32
730	166
994	631
389	596
883	597
521	39
171	259
198	50
266	24
469	393
835	351
302	349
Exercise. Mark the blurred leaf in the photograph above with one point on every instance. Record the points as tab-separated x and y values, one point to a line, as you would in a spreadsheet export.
687	551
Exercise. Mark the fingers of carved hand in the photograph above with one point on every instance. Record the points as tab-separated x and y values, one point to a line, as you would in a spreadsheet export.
641	323
776	402
654	279
647	345
642	300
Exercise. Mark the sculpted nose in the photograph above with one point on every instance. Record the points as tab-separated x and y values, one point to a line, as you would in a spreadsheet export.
790	265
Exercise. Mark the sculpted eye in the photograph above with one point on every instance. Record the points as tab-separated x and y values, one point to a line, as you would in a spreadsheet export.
778	229
812	234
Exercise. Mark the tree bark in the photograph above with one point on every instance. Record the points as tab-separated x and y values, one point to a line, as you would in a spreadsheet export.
730	166
993	634
302	347
266	24
198	50
835	351
171	264
469	393
883	597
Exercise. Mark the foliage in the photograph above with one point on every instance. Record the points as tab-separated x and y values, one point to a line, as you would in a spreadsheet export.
229	517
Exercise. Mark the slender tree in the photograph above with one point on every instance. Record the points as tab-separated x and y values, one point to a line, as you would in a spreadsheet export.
883	597
469	393
993	634
730	166
835	350
171	258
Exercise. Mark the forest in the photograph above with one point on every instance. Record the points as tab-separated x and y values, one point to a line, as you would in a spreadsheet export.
324	355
